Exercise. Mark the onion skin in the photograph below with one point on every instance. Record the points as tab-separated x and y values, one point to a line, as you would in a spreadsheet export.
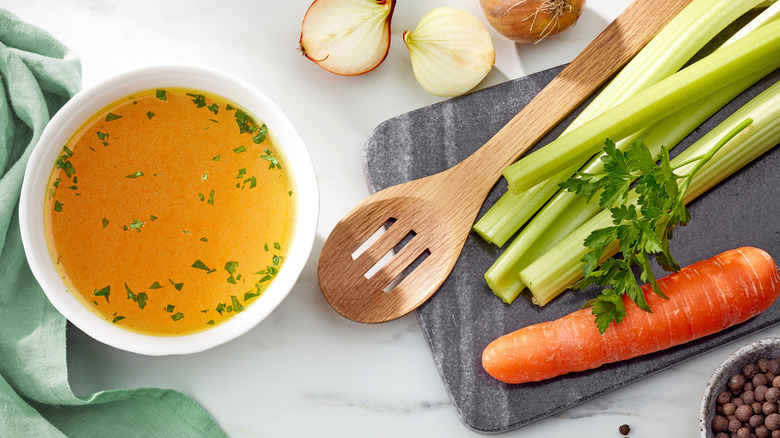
327	27
530	21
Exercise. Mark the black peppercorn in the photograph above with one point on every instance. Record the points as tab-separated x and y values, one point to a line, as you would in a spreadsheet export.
744	413
772	395
772	421
737	381
756	420
750	370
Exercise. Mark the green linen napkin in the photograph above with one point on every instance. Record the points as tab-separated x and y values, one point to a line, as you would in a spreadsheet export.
38	75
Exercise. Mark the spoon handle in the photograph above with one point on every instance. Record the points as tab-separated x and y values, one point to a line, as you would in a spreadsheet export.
599	61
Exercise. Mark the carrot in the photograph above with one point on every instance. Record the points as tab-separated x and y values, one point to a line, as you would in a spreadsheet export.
704	298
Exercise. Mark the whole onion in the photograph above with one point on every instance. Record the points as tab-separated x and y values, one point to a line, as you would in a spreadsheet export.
530	21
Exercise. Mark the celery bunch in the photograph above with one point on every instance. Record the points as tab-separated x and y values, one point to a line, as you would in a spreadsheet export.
561	266
659	113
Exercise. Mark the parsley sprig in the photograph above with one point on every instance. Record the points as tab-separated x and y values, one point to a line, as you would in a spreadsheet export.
646	200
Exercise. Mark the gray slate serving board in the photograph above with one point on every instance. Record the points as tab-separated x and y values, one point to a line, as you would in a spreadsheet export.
464	316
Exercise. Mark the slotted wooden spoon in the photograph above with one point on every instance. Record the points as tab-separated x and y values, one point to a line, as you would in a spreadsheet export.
439	210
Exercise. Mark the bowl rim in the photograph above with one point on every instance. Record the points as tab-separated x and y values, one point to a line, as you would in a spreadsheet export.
717	380
93	98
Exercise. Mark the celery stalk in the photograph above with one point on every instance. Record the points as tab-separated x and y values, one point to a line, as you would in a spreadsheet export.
769	14
674	45
567	211
757	52
560	267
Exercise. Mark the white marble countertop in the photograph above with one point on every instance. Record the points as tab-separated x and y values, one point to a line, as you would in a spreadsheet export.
305	370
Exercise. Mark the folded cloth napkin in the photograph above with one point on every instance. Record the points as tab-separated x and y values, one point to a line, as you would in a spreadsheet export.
38	75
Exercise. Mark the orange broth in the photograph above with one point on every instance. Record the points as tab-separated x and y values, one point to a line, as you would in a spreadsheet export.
169	211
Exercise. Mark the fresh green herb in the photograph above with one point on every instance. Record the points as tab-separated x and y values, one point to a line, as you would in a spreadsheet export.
237	306
198	99
229	107
210	322
186	231
67	150
214	120
249	295
262	133
241	173
105	292
57	182
111	117
149	114
258	291
203	239
202	197
135	175
73	187
152	218
211	198
265	247
200	265
140	298
245	122
65	165
269	156
169	308
221	307
277	245
103	136
105	223
58	206
178	286
177	316
161	95
136	224
216	158
205	176
239	149
642	228
117	318
156	285
214	108
231	267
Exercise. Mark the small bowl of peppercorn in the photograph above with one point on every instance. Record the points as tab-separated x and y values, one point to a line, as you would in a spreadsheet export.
742	398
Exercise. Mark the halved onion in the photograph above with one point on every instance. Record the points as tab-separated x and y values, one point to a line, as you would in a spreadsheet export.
451	51
347	37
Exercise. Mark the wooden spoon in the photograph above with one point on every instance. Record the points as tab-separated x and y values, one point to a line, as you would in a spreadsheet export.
438	211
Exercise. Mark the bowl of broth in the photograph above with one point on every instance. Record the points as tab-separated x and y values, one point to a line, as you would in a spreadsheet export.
168	209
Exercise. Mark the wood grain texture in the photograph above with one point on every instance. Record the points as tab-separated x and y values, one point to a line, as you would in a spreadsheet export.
440	209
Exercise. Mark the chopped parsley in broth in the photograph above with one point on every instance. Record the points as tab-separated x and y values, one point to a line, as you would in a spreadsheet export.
170	211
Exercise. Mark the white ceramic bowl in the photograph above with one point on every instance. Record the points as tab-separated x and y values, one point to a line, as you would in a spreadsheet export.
765	348
89	101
